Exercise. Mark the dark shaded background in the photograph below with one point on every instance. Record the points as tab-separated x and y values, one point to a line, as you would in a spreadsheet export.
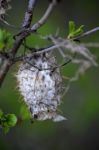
81	104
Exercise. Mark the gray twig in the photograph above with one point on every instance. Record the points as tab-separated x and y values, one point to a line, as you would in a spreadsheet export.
87	33
44	18
94	45
29	14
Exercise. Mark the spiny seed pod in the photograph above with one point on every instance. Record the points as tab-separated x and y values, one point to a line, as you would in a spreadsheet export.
40	86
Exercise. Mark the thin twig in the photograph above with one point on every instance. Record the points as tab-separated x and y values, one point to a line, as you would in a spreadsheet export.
94	45
53	68
87	33
8	24
45	17
50	48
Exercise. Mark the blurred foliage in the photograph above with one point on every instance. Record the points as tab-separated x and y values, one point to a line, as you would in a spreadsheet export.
7	121
5	40
80	104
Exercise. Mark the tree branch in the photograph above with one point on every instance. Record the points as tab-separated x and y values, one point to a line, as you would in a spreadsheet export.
26	31
26	23
29	14
45	17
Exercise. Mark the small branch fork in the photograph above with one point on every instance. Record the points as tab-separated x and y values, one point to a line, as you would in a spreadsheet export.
26	30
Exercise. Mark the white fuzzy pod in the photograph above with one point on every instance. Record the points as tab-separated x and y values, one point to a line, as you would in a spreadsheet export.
40	86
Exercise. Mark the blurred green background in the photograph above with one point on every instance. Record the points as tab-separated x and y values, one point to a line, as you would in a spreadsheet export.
80	105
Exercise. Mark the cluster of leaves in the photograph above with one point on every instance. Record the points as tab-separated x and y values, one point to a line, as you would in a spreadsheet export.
5	40
73	31
7	121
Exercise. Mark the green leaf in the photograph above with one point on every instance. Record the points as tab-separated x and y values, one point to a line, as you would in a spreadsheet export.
79	31
71	26
73	31
5	39
11	120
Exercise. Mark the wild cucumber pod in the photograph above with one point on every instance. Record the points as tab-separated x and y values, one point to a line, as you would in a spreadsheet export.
40	85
